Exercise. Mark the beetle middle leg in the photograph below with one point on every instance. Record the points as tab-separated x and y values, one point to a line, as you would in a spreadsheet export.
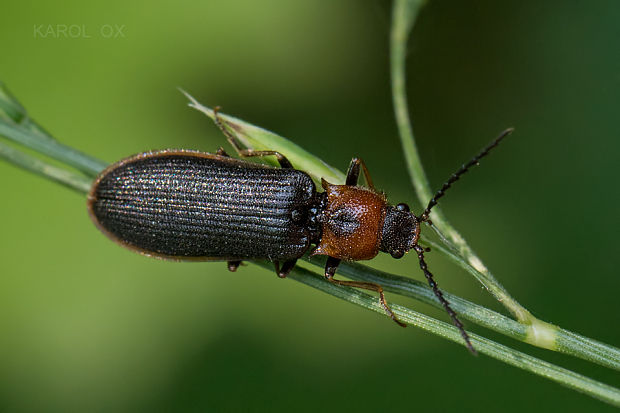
233	265
247	153
286	268
330	270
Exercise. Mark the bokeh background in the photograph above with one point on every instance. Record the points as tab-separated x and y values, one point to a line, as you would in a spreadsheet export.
88	326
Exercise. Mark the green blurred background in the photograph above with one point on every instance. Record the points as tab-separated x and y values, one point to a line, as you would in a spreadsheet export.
88	326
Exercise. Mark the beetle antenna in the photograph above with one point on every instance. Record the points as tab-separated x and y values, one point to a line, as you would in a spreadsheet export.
431	281
464	168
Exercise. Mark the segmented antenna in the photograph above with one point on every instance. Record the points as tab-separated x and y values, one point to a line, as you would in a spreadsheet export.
431	281
424	217
455	176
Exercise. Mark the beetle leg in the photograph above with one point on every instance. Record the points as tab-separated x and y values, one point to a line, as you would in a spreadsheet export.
331	266
354	173
232	138
233	265
330	270
222	152
282	160
287	267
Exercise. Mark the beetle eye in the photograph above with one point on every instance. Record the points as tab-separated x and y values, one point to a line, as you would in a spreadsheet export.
402	207
397	254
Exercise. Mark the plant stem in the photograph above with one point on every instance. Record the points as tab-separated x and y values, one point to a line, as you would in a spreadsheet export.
568	342
17	126
70	179
261	139
498	351
12	110
404	15
50	147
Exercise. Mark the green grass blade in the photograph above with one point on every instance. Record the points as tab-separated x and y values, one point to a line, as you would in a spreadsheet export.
30	163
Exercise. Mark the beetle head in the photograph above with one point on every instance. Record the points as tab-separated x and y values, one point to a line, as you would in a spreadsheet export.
401	230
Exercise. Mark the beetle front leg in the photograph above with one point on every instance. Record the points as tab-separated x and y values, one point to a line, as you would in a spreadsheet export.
354	173
330	270
330	267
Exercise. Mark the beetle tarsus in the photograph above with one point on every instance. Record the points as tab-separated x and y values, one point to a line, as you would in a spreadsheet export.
233	265
222	152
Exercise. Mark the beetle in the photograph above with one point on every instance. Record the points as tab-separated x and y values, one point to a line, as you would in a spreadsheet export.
189	205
